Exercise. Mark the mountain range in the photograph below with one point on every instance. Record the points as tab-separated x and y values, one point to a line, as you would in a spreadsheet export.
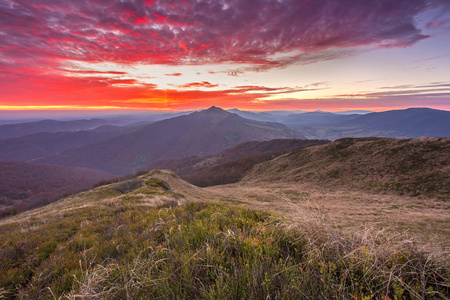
406	123
40	145
206	147
199	133
270	210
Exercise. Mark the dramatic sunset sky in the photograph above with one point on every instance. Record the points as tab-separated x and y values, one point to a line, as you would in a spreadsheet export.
331	55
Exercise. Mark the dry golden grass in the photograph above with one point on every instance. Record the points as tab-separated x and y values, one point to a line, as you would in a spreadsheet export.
414	167
425	220
323	249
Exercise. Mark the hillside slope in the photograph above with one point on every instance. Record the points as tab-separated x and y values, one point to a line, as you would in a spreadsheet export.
27	185
142	238
411	166
231	164
199	133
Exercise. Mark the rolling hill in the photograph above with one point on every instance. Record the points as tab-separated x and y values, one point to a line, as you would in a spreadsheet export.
231	164
28	185
403	166
199	133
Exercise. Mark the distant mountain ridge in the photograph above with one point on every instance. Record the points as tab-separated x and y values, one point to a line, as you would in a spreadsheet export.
410	123
42	144
9	131
199	133
404	123
299	119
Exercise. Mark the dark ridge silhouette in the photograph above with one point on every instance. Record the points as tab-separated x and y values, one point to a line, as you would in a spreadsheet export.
40	145
28	185
230	165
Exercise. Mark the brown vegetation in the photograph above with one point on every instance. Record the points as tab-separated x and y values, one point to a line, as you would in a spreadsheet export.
413	167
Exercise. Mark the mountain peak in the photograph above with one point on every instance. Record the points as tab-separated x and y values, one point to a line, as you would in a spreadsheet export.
215	109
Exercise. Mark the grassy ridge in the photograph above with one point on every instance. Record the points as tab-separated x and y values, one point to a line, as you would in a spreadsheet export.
414	167
122	249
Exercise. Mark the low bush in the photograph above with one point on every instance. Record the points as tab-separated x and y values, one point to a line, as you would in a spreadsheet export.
127	186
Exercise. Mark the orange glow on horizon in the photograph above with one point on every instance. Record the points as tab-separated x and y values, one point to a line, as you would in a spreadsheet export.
69	108
196	107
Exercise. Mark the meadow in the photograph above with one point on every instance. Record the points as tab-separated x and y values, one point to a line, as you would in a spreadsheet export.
141	239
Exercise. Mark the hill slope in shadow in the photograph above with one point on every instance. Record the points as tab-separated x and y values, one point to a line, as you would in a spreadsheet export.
28	185
231	164
9	131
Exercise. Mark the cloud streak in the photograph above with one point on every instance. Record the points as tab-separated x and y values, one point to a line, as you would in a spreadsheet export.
203	84
200	32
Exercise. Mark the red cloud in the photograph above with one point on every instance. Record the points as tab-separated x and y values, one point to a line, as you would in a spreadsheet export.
94	72
205	84
236	31
37	37
182	45
174	74
35	89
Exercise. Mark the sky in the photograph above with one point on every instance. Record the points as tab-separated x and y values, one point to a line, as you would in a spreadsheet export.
249	54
